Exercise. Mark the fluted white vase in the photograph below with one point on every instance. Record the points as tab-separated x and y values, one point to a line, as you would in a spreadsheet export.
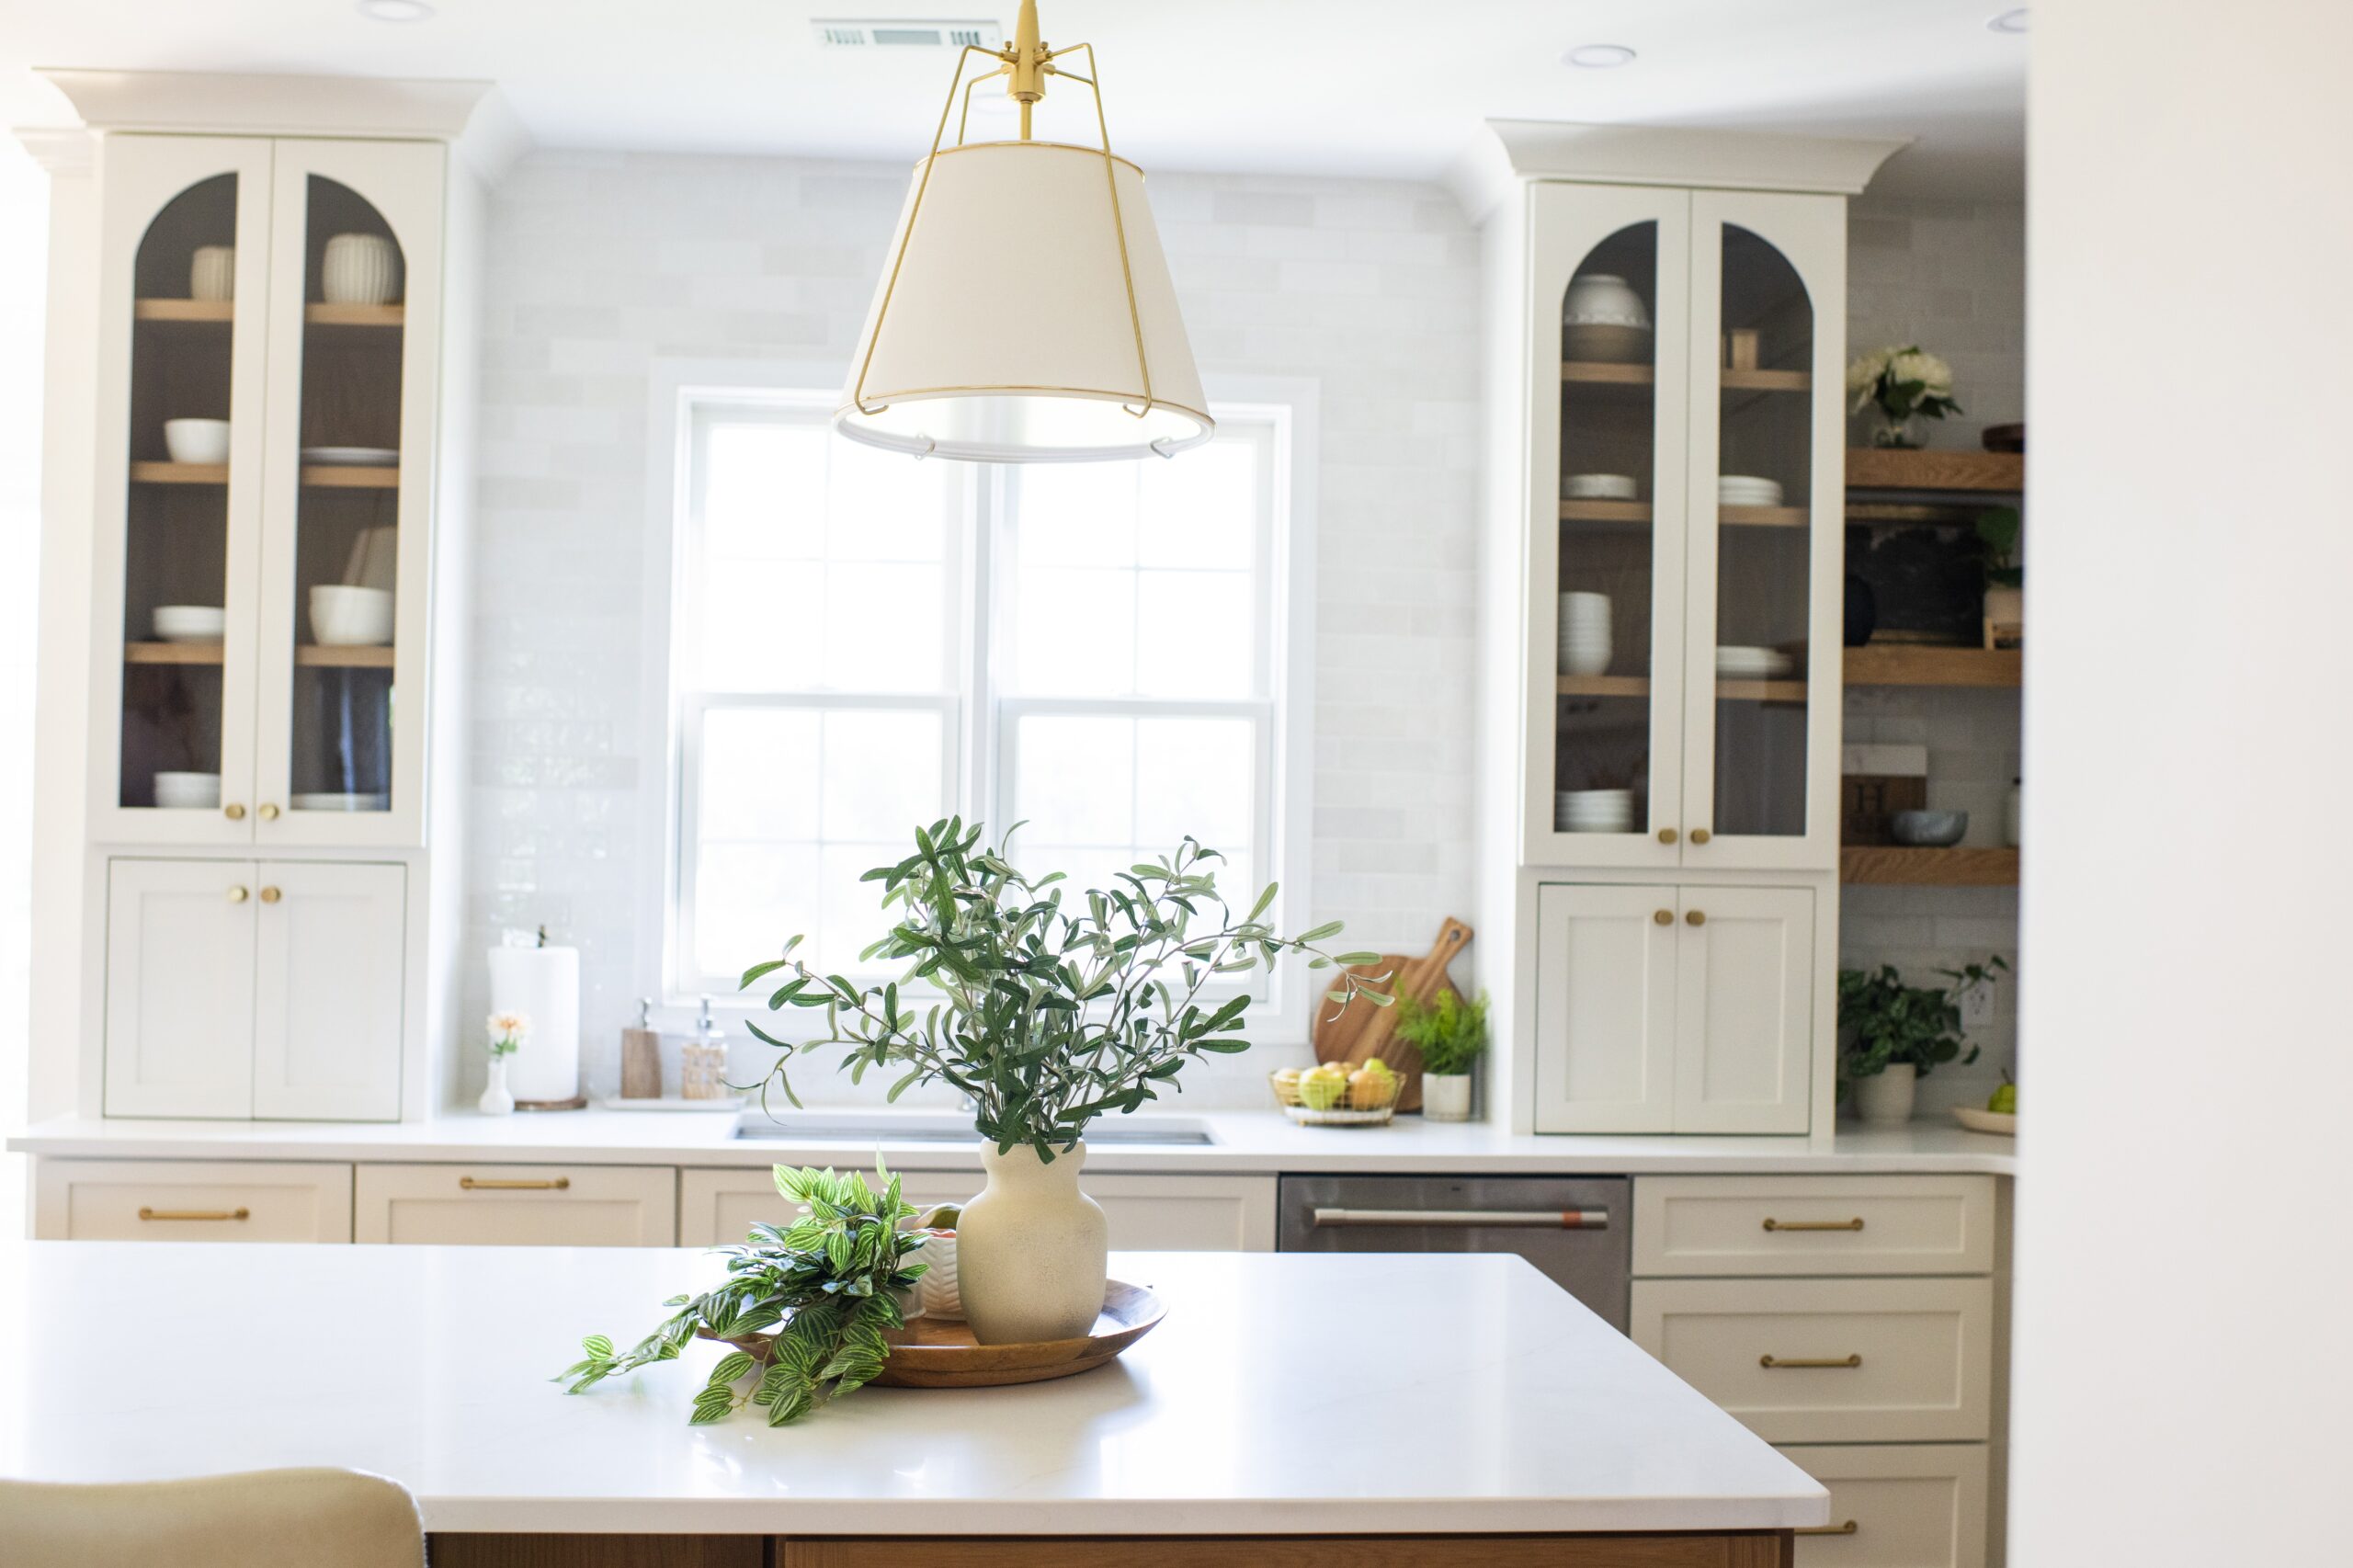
1030	1250
360	269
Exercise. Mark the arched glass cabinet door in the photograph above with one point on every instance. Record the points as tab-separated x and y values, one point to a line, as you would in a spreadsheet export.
355	283
1607	535
183	276
1764	647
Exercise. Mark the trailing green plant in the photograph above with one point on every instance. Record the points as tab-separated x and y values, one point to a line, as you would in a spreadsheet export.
1449	1033
833	1277
1997	541
1051	1010
1884	1023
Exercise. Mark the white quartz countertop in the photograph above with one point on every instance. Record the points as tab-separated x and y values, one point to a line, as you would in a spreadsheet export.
1250	1141
1473	1395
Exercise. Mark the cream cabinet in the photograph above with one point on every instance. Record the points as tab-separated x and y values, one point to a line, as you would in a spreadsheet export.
207	1201
1147	1213
503	1205
264	988
1673	1008
1896	1506
1813	1225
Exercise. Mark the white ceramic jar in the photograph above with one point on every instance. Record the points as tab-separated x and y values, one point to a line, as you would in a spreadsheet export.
1030	1250
360	269
1446	1097
1603	299
212	273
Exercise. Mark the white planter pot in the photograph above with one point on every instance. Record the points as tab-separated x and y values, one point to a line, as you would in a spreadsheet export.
359	270
1884	1099
1446	1097
1030	1249
2005	606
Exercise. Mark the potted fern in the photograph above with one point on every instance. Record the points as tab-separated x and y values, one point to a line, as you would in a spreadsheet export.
1048	1008
1451	1034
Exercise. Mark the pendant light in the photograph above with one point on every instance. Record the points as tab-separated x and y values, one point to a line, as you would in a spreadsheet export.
1027	313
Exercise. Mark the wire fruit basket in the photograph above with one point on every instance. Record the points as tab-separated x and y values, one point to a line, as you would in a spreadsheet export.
1365	1100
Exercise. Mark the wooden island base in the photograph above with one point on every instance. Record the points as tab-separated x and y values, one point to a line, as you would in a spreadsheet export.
1764	1549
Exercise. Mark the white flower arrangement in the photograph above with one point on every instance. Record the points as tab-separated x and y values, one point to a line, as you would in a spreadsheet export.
507	1032
1903	382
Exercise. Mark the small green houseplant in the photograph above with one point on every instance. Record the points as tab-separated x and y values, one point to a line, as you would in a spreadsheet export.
1904	383
1048	1008
833	1278
1997	541
1451	1034
1894	1035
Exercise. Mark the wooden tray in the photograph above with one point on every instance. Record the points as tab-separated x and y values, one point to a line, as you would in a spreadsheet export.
940	1353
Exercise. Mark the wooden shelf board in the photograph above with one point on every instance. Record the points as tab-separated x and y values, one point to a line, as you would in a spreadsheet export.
171	653
318	655
1877	468
1764	517
1604	372
179	473
1908	664
323	478
1759	690
1765	380
355	316
1605	511
315	655
1892	514
1604	686
1893	865
183	309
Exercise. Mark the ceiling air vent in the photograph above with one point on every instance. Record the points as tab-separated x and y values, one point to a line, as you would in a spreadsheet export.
907	35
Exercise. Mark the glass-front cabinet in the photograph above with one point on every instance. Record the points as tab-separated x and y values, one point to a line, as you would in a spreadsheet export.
1683	543
268	322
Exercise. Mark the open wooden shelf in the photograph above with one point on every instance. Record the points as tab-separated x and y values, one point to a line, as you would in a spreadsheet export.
322	478
1894	865
1900	514
179	473
1880	467
1915	663
225	311
316	655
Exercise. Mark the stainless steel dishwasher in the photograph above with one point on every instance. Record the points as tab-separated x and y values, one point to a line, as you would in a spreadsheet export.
1576	1229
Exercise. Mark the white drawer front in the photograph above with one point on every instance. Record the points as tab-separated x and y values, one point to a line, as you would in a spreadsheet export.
194	1201
1897	1506
1147	1213
495	1205
1812	1226
1829	1360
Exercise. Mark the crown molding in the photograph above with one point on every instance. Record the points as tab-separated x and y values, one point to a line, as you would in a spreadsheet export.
58	149
1514	152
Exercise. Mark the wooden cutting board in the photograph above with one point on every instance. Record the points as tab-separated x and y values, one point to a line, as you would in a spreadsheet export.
1362	1031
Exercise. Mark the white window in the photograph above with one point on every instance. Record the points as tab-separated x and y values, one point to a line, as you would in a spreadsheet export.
862	642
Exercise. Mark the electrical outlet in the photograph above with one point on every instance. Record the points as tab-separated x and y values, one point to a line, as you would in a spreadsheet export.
1977	1008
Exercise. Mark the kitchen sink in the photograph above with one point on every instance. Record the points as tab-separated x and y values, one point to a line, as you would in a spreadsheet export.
921	1127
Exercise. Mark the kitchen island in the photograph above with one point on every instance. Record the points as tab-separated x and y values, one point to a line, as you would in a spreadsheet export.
1366	1409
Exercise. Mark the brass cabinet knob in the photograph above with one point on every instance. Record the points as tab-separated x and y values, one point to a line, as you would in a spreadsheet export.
234	811
267	812
1664	917
1695	917
269	895
1667	835
237	893
1698	835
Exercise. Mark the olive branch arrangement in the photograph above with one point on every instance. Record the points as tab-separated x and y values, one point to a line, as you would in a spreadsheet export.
1052	1011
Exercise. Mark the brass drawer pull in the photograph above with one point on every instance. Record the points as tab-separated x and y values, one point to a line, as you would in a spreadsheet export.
1854	1224
473	1184
1801	1363
1849	1527
146	1213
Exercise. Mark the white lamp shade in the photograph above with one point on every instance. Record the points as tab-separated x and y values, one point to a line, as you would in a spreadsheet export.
1005	332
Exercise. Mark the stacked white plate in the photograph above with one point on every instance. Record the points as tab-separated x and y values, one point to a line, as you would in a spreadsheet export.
1598	487
1584	634
333	801
1593	810
187	791
1748	490
1753	664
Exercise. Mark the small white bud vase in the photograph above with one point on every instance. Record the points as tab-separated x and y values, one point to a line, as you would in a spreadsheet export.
1030	1250
1446	1097
495	1099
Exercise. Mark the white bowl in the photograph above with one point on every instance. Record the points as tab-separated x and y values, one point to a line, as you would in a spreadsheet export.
197	441
1593	810
331	801
191	623
187	791
1598	487
350	618
1603	299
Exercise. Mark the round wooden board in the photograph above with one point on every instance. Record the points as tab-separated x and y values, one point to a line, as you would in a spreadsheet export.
940	1353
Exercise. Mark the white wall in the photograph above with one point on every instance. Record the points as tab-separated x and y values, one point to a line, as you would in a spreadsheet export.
2185	1258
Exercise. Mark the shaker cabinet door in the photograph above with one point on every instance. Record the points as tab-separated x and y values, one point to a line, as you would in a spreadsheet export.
328	971
1743	1010
179	1008
1605	1010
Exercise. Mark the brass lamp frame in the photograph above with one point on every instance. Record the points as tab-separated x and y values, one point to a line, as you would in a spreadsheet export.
1027	62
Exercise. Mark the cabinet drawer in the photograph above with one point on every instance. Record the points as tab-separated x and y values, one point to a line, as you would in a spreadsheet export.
497	1205
1147	1213
1918	1506
196	1200
1813	1225
1829	1360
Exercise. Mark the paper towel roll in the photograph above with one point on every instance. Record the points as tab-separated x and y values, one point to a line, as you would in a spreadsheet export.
544	984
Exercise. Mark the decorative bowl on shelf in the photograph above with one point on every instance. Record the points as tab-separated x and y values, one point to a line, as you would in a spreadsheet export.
1360	1098
187	791
197	441
1928	830
1603	299
2002	1123
1598	487
345	616
190	623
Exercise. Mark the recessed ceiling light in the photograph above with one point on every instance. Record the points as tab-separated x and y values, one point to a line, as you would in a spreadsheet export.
2010	21
1599	56
393	10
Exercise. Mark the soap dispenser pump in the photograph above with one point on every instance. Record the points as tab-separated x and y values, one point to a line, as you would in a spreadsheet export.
642	1056
703	1060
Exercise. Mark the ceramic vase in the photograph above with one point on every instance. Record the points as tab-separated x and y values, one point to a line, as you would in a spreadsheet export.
1446	1097
1884	1099
1030	1250
1891	434
359	270
213	272
495	1098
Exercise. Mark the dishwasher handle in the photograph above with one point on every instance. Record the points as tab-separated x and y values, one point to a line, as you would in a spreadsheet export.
1465	1218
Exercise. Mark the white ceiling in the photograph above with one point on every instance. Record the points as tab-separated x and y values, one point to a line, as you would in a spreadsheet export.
1379	87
